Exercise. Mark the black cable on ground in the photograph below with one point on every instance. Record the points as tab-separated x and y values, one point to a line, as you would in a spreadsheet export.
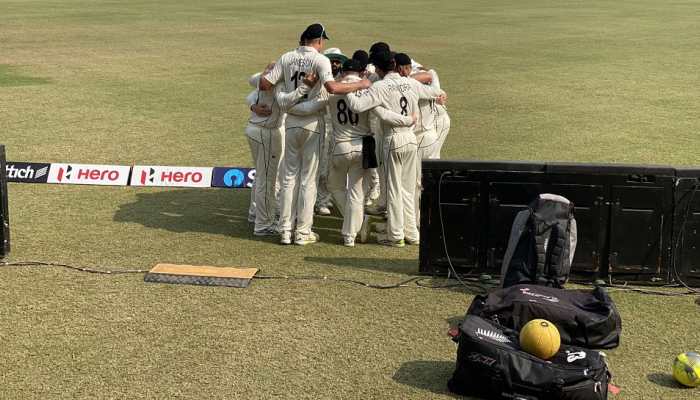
453	271
686	214
404	283
465	282
625	288
72	267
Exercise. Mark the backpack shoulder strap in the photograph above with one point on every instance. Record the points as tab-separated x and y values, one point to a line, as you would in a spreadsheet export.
519	226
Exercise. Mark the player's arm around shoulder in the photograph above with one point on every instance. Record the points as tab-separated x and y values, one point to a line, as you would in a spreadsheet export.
335	87
392	118
365	99
268	80
425	92
312	106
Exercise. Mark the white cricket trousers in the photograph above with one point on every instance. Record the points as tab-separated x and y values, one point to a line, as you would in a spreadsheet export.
346	169
401	169
266	148
383	143
299	179
442	127
428	148
323	195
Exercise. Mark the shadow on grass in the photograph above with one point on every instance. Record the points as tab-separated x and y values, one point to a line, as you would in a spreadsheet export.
665	380
426	375
329	228
215	211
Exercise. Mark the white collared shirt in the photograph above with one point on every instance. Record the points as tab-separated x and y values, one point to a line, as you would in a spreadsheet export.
290	70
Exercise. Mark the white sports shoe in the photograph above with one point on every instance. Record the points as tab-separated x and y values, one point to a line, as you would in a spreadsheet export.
323	210
348	241
303	240
286	237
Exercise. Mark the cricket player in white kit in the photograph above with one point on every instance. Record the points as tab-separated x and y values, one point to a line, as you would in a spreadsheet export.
303	133
401	95
350	130
265	135
426	135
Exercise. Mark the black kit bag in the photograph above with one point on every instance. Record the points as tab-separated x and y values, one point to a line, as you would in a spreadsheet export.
369	152
491	365
584	318
542	243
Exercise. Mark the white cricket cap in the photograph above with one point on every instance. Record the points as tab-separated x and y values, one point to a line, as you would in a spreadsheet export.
332	50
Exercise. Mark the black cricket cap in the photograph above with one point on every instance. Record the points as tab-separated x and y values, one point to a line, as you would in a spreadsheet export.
353	64
362	57
314	31
379	47
402	59
384	61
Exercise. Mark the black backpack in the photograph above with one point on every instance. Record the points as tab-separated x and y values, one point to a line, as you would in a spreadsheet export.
491	365
584	318
541	244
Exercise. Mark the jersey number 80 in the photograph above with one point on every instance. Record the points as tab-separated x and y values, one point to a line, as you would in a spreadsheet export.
345	115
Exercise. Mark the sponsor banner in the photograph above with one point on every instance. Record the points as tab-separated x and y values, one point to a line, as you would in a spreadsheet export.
88	174
233	177
27	172
154	175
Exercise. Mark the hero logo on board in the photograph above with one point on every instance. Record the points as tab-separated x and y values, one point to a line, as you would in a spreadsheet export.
88	174
153	175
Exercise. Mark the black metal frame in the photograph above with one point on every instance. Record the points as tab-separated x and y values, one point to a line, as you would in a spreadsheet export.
627	216
4	211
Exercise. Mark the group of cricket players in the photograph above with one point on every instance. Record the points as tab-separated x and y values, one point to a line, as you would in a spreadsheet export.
328	131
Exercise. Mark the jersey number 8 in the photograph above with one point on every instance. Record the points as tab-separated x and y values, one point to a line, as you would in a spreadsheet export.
403	102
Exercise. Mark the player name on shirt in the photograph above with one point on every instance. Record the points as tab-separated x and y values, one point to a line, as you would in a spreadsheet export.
302	63
400	87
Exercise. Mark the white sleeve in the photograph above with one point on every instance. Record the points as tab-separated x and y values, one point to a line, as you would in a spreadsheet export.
391	118
310	107
254	80
425	92
324	71
363	100
436	81
288	100
415	66
276	72
252	98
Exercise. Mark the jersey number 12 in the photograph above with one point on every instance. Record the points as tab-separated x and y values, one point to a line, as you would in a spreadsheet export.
296	77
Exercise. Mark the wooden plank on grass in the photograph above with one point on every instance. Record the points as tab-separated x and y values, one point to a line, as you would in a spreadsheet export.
202	270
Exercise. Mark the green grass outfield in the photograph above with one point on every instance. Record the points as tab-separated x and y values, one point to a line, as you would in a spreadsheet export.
164	82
